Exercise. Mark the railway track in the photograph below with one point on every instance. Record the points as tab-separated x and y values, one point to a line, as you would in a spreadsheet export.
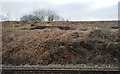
57	70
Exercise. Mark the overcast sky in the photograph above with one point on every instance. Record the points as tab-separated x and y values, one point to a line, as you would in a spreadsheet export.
74	10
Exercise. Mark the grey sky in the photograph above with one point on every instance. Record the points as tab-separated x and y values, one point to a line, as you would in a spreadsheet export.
68	9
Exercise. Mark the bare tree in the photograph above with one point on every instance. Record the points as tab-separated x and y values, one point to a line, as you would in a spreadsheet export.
41	14
53	18
52	15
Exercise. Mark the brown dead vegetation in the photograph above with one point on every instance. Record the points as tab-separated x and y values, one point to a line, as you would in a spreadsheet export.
55	46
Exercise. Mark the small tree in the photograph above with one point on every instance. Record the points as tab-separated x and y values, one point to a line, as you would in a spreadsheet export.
29	18
5	17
